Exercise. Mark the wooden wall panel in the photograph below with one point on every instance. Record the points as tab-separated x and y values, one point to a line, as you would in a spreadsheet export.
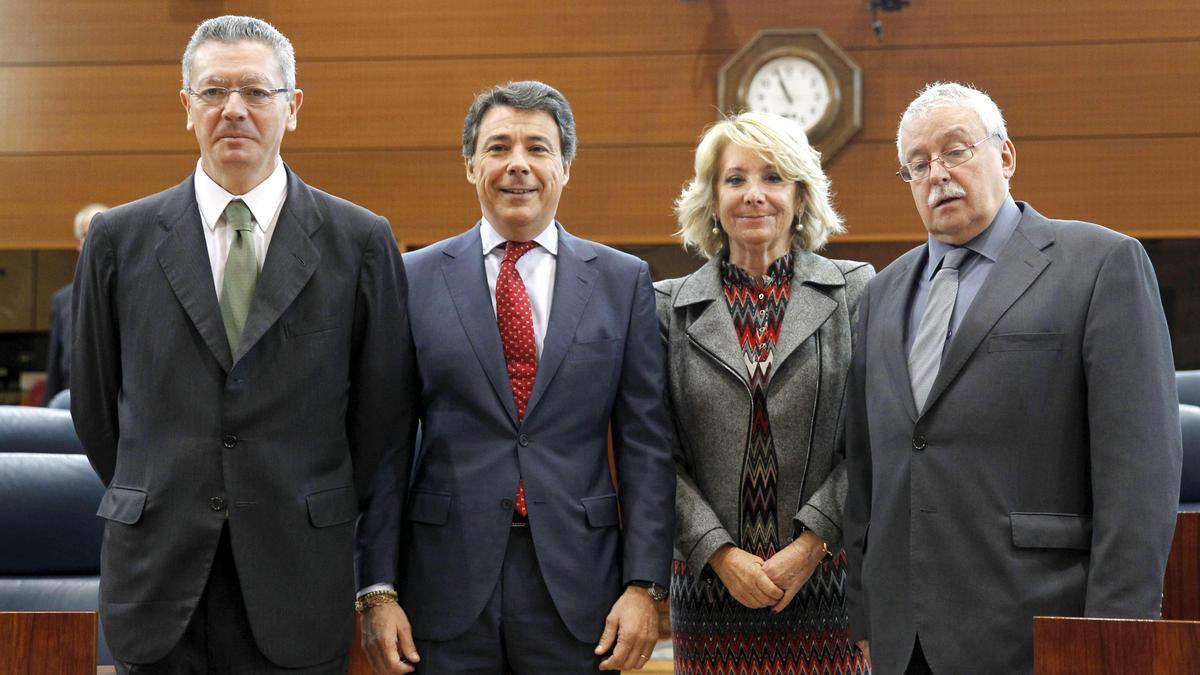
77	31
1098	97
625	195
618	100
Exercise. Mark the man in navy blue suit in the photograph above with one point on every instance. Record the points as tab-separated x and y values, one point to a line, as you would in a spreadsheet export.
521	551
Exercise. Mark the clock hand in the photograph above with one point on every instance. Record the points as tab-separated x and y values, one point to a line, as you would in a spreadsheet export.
786	94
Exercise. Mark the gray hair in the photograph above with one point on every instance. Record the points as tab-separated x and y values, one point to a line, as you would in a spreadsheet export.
952	95
523	95
83	219
231	29
781	142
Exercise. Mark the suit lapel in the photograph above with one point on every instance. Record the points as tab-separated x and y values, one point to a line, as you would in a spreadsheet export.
574	279
808	307
291	260
1019	264
183	256
468	286
893	323
713	330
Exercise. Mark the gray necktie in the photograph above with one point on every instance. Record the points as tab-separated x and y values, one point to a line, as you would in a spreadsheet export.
926	356
241	273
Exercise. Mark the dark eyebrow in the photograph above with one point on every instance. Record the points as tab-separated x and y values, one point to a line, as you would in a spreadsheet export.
504	138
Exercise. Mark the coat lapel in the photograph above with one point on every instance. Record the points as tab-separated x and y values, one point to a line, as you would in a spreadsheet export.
291	260
809	306
574	280
1019	264
713	329
892	324
183	256
468	286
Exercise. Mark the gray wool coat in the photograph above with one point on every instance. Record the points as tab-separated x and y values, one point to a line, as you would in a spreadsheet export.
709	396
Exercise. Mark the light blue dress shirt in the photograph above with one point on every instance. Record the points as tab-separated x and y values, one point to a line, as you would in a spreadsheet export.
986	247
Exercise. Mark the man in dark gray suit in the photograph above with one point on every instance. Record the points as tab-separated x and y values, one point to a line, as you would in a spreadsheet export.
240	353
58	354
1012	424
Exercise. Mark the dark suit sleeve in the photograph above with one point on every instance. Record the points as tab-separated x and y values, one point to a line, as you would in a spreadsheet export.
1136	450
96	352
380	404
856	441
382	415
60	315
642	445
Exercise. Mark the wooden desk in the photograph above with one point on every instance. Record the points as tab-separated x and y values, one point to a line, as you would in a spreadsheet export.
48	643
1181	587
1073	646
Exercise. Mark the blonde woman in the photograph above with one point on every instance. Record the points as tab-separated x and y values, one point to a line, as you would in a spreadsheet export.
759	342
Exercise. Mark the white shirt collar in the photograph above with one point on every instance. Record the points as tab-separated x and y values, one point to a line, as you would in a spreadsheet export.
264	199
548	239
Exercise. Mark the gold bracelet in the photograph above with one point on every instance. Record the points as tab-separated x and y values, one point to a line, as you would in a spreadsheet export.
374	599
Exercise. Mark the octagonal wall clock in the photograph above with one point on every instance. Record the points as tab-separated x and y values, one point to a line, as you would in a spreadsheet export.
799	74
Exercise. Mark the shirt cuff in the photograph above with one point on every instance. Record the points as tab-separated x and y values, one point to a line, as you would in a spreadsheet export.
372	588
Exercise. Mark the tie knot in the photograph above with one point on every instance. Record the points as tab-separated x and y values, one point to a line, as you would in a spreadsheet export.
513	250
954	259
237	214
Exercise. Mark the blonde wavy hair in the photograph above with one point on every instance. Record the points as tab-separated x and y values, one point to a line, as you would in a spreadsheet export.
781	142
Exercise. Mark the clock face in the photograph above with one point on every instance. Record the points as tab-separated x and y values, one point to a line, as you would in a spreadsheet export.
792	87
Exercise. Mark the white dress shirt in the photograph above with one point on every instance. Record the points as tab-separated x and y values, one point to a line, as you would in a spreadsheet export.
265	202
537	268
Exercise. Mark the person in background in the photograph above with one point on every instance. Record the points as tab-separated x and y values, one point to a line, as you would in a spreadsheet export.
1012	421
239	373
58	355
759	341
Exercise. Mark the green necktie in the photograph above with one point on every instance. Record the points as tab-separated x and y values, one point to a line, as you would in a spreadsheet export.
241	273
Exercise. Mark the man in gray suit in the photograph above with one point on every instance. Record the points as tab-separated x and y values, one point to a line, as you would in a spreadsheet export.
1012	422
240	361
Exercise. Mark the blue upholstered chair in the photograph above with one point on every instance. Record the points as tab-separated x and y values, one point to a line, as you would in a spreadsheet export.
29	429
49	532
1188	382
1189	486
61	400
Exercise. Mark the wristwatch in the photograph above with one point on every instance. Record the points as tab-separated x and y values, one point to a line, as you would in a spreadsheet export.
657	593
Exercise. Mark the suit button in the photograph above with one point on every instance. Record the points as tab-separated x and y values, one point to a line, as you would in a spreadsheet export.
506	504
918	443
229	440
216	504
523	440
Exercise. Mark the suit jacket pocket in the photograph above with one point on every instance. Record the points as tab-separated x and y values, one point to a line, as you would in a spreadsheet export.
431	508
601	511
1025	342
1051	530
332	507
122	505
309	325
598	349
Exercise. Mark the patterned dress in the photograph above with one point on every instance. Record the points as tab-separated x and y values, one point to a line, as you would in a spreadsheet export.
713	634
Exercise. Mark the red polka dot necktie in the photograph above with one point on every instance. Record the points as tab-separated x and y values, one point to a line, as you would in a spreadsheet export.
515	317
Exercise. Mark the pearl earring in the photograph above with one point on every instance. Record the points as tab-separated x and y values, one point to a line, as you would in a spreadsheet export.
716	225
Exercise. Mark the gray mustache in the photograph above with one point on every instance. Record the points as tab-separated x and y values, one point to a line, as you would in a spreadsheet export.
943	191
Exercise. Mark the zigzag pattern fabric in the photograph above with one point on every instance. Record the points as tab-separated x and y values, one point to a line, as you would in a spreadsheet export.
713	634
757	307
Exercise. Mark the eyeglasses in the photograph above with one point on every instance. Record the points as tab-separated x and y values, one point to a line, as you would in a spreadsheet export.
919	170
251	95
